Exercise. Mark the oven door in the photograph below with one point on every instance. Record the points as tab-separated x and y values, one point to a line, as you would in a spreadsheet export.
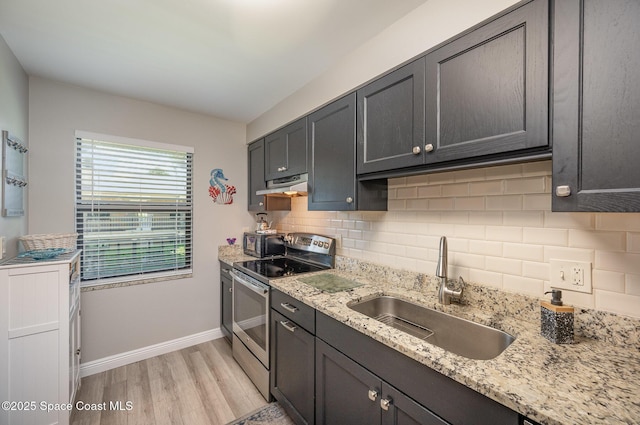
251	314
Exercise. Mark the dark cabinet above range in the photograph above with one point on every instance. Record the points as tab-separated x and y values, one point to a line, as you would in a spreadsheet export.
285	151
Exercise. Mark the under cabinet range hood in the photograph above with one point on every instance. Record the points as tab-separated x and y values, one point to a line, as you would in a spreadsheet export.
291	186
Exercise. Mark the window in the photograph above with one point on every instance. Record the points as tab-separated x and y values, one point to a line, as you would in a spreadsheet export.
133	208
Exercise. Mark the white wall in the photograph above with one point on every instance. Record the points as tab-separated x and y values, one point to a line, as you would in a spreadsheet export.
118	320
423	28
14	114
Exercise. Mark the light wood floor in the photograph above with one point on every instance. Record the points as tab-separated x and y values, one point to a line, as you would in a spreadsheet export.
197	385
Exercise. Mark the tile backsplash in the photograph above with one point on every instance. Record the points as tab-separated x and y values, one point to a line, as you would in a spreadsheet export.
500	229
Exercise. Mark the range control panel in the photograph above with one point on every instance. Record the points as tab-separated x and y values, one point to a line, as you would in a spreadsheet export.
310	242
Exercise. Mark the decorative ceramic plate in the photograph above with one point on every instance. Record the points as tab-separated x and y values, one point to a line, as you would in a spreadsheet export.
43	254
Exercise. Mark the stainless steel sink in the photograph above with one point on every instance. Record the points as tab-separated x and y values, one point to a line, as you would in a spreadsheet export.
459	336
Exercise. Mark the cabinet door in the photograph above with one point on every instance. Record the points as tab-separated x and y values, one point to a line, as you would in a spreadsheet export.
226	300
391	120
398	409
487	91
346	393
332	150
256	175
596	87
286	151
292	368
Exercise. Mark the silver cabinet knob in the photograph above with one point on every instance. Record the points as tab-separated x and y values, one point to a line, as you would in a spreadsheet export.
373	395
563	191
261	204
416	150
385	403
349	200
428	147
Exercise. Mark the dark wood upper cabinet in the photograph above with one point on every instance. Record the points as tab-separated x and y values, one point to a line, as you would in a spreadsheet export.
596	109
256	175
286	151
487	91
332	150
391	120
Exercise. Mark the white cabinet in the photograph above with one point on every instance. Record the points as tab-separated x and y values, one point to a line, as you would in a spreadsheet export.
39	339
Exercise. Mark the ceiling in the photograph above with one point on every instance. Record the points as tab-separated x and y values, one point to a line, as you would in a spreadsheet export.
234	59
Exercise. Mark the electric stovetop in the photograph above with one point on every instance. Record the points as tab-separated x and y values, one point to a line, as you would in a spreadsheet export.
271	268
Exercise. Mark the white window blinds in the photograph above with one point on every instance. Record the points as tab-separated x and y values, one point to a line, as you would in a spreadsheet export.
133	209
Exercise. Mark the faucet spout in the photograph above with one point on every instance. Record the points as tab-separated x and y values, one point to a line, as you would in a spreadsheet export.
446	295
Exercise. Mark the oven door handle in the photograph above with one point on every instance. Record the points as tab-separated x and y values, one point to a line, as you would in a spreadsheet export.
255	287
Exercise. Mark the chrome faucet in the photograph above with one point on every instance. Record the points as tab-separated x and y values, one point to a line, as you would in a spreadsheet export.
446	295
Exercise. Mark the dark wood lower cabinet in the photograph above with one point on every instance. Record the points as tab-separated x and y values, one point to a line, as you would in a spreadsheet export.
347	393
226	300
292	371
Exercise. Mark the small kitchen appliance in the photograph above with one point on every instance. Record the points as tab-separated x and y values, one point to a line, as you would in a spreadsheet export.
263	245
304	253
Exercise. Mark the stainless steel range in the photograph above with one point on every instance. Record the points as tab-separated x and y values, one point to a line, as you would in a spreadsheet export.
304	253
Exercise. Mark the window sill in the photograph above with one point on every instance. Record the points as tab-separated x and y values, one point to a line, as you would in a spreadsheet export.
132	282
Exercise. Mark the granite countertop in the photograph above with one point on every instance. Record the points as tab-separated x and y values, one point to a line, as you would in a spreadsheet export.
593	381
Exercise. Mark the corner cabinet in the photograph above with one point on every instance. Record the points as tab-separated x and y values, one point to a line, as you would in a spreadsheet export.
257	181
285	151
487	91
596	110
40	346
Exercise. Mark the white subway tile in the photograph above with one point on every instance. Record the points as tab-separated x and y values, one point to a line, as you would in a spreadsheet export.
441	229
633	242
434	191
470	175
504	172
618	262
457	189
523	251
455	244
418	180
425	241
455	217
504	203
607	241
569	254
469	204
608	281
484	247
417	204
626	222
541	202
504	265
523	285
525	185
584	221
485	277
470	261
618	303
536	270
440	204
397	181
355	234
539	168
469	231
632	284
417	253
523	218
491	187
504	233
392	194
486	217
442	178
363	225
407	192
428	217
540	236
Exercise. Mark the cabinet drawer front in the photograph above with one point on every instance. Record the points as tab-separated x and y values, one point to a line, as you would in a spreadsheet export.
295	310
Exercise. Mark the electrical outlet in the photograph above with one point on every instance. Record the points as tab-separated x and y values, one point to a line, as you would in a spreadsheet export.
571	275
338	239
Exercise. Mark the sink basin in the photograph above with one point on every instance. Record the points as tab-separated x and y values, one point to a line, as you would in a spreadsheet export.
459	336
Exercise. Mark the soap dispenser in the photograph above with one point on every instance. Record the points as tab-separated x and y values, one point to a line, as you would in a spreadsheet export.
556	320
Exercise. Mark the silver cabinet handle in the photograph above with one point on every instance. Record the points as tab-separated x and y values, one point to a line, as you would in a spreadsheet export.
225	271
416	150
282	168
290	308
349	200
373	395
563	191
230	289
428	147
385	403
288	326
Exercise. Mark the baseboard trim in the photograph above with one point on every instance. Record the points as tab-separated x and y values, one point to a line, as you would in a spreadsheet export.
117	360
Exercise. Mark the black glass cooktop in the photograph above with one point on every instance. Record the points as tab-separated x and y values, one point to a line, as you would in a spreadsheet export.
277	267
